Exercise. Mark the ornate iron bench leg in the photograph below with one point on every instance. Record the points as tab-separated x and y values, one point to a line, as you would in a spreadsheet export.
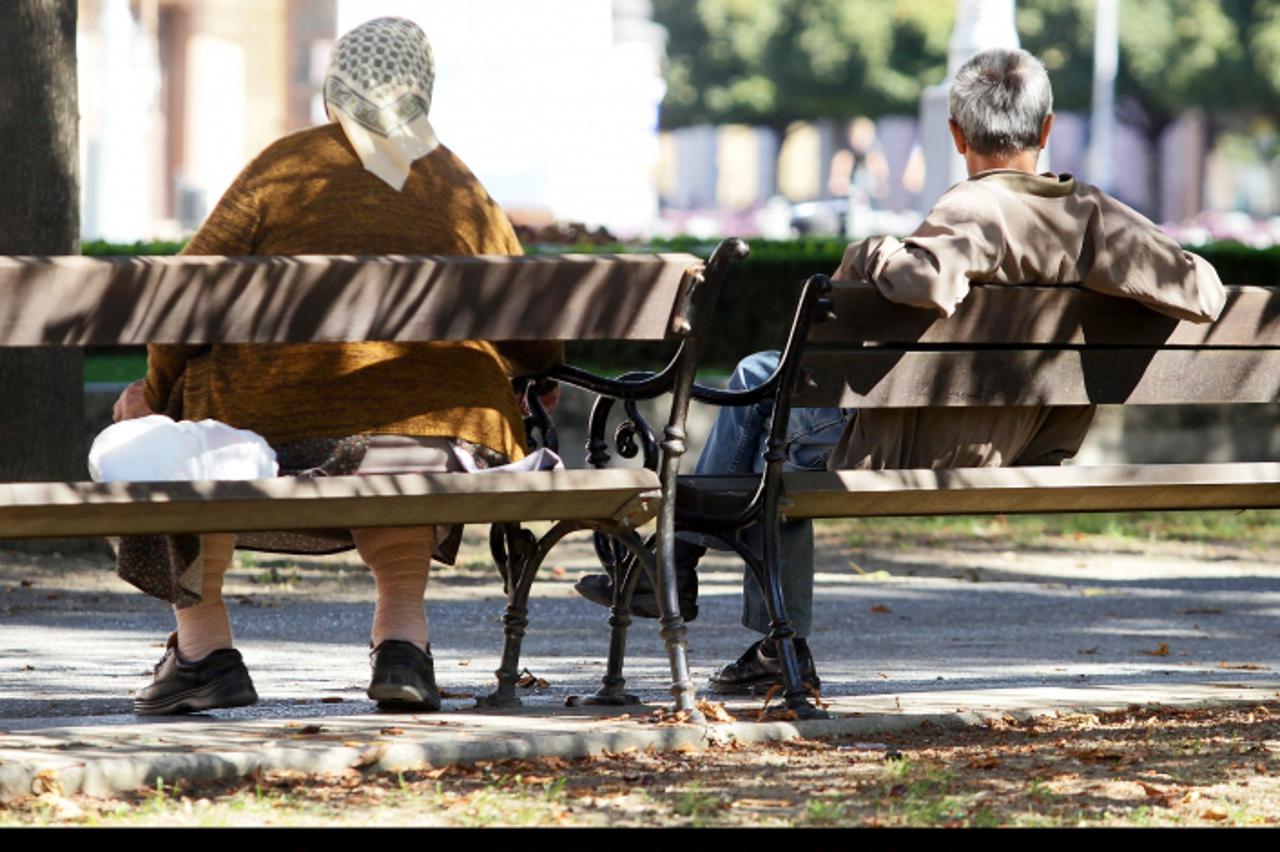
612	691
513	549
674	631
518	555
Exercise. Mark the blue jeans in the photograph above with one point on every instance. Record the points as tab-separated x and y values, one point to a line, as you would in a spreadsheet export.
736	444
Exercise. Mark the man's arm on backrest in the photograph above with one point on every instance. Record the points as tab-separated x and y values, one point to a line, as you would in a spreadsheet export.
1139	261
960	239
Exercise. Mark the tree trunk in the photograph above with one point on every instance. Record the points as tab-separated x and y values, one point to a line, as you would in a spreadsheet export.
42	429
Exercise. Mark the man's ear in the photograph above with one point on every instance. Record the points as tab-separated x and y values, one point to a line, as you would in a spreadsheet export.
1044	130
958	137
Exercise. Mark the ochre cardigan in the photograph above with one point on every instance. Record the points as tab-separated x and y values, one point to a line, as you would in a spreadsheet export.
308	194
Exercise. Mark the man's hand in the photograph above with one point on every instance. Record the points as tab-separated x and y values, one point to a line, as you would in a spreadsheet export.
132	403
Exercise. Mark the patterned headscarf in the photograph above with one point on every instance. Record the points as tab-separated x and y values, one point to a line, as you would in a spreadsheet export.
379	89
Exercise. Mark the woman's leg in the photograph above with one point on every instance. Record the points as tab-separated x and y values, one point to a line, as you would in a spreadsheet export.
400	559
206	627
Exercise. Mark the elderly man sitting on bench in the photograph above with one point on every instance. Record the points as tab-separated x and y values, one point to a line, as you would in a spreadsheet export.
1004	225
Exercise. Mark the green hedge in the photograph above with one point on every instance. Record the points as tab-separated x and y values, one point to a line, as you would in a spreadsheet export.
763	289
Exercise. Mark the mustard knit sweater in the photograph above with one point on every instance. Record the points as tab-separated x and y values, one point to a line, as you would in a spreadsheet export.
308	194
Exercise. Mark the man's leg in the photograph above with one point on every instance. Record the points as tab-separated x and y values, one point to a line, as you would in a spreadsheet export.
811	435
732	446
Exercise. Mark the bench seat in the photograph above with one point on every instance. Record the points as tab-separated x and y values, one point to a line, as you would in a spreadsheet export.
58	509
1013	490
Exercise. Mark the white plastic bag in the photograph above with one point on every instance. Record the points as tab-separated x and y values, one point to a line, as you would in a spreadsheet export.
156	449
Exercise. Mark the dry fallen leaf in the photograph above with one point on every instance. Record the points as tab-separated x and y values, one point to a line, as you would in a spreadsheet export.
760	804
1215	814
536	779
309	730
370	756
715	711
528	680
391	732
881	608
444	693
46	781
331	699
1251	667
983	762
1161	651
464	663
1152	790
768	696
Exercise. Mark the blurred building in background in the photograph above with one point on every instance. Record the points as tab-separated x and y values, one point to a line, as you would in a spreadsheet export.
555	105
177	95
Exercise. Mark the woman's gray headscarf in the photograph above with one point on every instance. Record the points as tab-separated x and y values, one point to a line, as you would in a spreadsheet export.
378	88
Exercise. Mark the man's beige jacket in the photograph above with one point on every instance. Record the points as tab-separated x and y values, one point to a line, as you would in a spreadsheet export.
1011	227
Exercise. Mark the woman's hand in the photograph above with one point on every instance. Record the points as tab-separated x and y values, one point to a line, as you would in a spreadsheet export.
548	400
131	403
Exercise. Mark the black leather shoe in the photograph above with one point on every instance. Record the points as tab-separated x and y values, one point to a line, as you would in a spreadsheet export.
598	588
182	686
404	678
760	668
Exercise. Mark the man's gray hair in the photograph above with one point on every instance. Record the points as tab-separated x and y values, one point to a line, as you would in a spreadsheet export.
1000	99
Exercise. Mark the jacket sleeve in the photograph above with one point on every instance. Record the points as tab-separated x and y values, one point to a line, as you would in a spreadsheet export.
229	231
1139	261
961	239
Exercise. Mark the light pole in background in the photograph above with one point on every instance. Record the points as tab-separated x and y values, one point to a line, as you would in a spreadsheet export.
980	25
1102	122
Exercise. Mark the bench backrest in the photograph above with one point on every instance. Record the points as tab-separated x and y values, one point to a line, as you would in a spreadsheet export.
79	301
1039	345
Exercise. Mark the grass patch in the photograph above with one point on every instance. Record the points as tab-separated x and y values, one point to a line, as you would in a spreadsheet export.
1253	528
1126	767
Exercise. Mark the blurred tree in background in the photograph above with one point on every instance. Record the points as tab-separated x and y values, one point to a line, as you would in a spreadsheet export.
774	62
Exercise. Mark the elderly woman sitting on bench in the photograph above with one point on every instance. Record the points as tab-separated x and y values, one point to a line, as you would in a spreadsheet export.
374	181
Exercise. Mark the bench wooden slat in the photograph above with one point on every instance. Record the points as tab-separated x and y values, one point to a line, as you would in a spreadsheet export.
1103	488
58	509
79	301
1042	315
885	378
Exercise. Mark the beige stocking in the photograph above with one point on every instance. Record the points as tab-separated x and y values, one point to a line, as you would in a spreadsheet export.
206	627
400	559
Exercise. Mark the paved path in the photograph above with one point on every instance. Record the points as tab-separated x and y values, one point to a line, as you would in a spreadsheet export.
917	634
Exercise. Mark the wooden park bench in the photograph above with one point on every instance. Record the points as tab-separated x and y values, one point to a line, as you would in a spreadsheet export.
80	302
1004	346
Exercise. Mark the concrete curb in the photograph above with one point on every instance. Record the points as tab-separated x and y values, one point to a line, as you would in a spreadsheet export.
100	761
